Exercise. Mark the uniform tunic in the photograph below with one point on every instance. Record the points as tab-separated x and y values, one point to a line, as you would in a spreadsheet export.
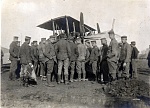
14	55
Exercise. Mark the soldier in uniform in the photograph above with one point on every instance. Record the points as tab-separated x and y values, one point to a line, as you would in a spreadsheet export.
103	64
148	57
50	58
134	56
14	55
25	60
63	52
94	58
125	57
112	55
88	67
73	57
18	63
34	52
41	49
83	54
2	55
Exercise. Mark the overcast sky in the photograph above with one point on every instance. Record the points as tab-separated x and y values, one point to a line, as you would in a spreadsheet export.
20	17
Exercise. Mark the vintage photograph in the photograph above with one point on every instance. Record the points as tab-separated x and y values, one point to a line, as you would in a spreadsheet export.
75	54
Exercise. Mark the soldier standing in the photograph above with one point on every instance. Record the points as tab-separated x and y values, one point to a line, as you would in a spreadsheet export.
94	58
103	64
2	55
134	57
88	67
34	52
125	57
25	60
73	57
63	52
112	55
18	63
14	55
83	54
50	58
41	50
148	57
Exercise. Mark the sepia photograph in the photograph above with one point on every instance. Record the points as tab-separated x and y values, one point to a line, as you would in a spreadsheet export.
75	54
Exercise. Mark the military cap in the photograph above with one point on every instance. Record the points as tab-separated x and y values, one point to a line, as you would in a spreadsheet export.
123	37
103	39
34	41
43	39
111	31
63	36
52	36
16	37
93	41
27	37
87	41
133	42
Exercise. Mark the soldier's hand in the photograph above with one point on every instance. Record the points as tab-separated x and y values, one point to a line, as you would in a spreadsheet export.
90	62
124	64
30	64
55	60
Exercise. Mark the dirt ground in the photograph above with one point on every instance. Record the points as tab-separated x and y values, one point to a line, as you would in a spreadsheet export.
76	95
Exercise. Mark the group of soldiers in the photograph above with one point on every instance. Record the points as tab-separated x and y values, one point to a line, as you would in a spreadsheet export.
63	57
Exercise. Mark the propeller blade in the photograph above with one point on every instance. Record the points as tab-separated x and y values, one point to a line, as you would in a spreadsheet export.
98	28
81	24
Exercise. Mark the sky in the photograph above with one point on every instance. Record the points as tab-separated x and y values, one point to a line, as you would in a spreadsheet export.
20	17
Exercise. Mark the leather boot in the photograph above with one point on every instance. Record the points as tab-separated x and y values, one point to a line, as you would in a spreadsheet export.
58	79
79	77
49	81
84	77
71	78
66	79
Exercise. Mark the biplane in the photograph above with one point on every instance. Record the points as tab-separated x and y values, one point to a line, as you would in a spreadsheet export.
70	25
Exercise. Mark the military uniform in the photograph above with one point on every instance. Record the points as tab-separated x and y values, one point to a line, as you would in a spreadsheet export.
41	50
148	58
125	57
50	57
134	56
73	58
2	55
63	52
113	57
14	55
103	64
94	59
83	54
35	57
25	60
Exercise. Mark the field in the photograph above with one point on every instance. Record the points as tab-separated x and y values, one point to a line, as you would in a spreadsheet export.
76	95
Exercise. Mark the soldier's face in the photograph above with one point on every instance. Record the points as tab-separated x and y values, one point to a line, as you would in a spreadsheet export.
103	42
93	43
87	44
124	40
111	36
52	40
35	44
18	44
28	41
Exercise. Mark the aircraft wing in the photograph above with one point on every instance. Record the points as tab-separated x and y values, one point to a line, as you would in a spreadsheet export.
60	23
